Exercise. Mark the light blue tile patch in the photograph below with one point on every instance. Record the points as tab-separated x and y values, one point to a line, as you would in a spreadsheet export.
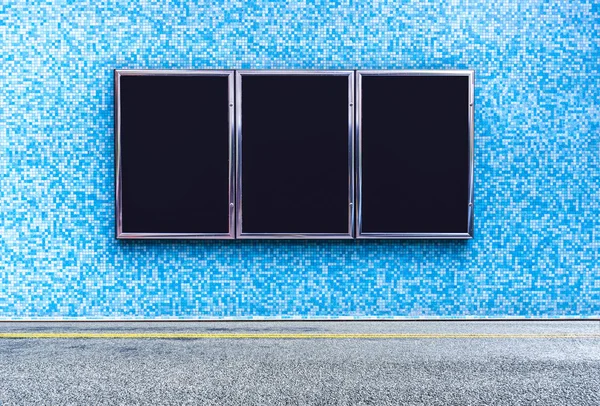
537	161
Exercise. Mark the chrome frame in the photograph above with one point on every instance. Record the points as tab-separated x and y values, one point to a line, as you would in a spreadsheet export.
118	175
238	112
468	234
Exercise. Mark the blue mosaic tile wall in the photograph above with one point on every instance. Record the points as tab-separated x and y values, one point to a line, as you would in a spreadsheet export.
537	161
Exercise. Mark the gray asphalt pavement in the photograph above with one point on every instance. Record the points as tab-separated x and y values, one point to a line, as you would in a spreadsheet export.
313	371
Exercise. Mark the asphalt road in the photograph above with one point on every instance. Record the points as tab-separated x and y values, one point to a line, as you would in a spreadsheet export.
509	363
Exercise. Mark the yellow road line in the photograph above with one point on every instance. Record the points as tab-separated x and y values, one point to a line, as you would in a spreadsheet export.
286	335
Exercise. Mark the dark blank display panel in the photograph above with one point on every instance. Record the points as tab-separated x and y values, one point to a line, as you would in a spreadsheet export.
415	154
295	154
174	140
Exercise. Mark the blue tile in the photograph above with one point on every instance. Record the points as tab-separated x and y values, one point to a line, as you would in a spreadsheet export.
537	161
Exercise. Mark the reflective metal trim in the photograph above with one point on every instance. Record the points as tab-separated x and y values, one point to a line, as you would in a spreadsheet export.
119	234
468	234
166	236
118	175
238	114
416	236
238	161
351	157
471	216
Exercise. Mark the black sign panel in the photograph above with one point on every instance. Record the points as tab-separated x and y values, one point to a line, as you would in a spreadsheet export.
294	154
173	143
414	165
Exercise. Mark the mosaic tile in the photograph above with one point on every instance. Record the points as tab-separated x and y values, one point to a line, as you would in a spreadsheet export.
537	161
